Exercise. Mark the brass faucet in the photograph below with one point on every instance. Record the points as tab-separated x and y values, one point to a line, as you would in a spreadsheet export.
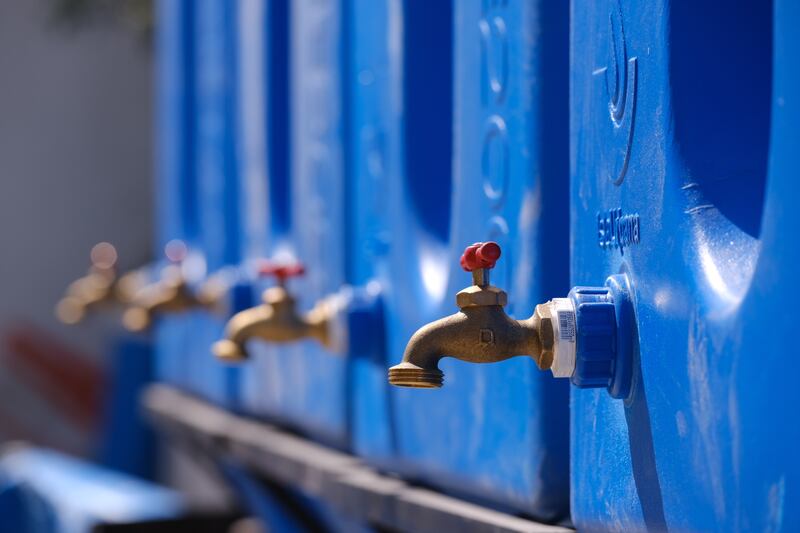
276	319
170	294
100	287
481	332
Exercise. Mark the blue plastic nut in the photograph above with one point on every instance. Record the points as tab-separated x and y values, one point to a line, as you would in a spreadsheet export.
596	331
604	336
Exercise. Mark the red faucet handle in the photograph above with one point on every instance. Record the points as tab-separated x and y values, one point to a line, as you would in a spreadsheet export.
103	255
282	271
480	255
176	251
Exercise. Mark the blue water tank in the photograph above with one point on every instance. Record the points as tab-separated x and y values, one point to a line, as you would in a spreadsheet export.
375	117
197	180
301	384
177	216
683	157
494	170
216	246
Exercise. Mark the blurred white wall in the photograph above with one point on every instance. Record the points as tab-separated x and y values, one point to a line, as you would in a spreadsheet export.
75	155
75	164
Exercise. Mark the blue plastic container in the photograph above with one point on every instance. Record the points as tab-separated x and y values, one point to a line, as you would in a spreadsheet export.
264	157
177	213
301	384
216	143
687	132
494	432
198	186
375	117
263	130
127	443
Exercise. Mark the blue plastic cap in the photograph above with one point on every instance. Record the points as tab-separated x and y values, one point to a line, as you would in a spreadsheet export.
605	327
596	330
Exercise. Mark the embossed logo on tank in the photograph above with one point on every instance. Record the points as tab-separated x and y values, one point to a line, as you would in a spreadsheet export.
617	230
619	83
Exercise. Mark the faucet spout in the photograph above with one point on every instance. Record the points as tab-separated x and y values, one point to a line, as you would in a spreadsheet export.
476	334
170	295
100	287
85	294
481	332
275	320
